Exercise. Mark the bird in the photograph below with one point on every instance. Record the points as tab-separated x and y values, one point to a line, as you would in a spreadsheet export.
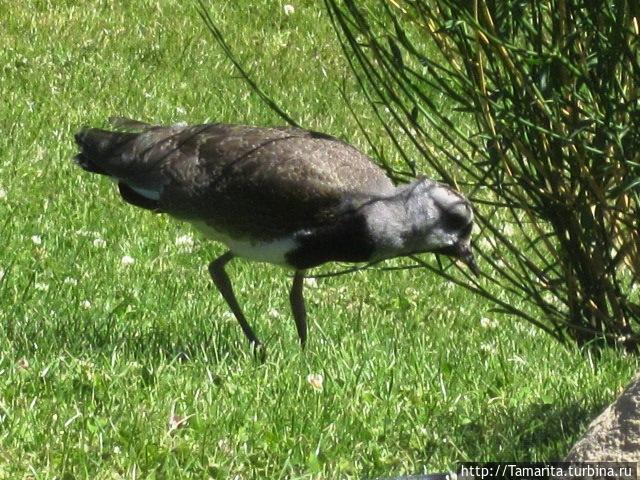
282	195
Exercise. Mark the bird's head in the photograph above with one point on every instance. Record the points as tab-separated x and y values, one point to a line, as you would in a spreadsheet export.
443	220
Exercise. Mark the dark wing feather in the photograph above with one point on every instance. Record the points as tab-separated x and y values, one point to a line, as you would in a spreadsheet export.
266	182
249	181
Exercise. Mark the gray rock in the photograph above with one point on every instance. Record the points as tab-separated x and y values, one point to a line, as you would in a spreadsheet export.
614	436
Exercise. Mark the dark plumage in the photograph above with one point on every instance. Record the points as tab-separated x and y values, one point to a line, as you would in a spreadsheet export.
282	195
243	180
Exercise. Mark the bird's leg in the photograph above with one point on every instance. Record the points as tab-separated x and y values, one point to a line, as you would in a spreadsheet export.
222	282
297	306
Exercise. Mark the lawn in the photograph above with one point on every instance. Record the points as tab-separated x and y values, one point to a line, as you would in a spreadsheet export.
118	359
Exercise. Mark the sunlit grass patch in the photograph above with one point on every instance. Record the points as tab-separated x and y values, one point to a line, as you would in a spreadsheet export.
113	368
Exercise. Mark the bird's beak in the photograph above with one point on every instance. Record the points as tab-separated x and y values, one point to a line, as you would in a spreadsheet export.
465	254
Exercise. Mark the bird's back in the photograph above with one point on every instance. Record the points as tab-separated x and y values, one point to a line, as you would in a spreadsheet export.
242	180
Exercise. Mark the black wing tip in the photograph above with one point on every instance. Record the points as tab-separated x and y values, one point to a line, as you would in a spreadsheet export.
88	150
85	163
80	136
89	139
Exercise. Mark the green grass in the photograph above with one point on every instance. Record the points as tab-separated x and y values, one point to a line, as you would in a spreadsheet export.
96	357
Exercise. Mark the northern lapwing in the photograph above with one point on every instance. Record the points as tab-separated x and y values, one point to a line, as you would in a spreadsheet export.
282	195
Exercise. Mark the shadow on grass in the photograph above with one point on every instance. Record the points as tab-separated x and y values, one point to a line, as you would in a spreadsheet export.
548	430
143	341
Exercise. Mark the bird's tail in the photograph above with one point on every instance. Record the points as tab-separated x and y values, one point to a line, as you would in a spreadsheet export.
98	147
120	155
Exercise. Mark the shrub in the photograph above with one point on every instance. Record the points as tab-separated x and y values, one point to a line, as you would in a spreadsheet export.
533	106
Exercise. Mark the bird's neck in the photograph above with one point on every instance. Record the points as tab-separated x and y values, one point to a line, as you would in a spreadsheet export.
370	229
395	224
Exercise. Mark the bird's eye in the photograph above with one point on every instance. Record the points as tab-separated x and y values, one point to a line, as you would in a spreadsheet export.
455	221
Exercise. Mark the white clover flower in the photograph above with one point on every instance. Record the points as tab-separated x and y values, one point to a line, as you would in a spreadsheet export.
315	380
488	323
177	421
518	359
289	9
99	243
85	304
310	283
43	287
225	446
127	260
185	242
3	194
181	110
488	348
274	313
36	239
70	281
507	229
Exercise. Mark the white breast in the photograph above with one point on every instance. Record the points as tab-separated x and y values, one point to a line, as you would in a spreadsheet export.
273	251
